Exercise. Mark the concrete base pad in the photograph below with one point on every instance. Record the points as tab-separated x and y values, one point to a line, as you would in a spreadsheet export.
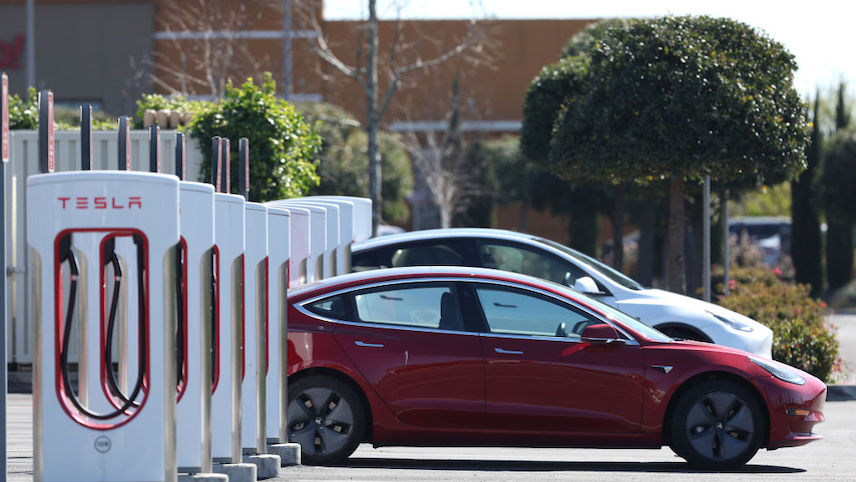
237	472
203	478
289	454
267	465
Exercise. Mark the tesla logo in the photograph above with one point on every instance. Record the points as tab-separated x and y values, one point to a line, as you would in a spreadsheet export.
10	53
103	444
101	202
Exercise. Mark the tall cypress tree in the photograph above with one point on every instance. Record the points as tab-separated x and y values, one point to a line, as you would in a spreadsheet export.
839	233
806	240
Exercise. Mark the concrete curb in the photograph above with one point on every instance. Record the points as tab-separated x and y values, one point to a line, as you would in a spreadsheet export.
289	453
267	465
237	472
840	393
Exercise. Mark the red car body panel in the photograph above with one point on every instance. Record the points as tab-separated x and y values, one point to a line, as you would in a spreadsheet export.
430	388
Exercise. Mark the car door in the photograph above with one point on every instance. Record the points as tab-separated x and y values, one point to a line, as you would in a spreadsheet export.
410	343
541	375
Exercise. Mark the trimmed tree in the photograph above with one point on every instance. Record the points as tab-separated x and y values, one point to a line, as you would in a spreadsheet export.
282	144
837	180
806	245
676	98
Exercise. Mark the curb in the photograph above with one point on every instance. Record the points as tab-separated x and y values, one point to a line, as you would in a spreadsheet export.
840	393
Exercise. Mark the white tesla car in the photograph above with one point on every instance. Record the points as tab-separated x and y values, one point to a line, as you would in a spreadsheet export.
676	315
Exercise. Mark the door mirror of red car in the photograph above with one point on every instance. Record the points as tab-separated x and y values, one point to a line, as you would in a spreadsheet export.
600	333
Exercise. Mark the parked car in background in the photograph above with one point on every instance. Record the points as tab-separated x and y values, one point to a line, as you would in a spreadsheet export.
438	356
676	315
771	234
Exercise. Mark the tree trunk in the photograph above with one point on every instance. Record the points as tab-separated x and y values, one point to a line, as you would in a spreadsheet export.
618	229
645	252
373	118
583	231
675	238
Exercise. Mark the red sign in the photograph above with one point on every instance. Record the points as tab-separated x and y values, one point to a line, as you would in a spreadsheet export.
10	53
50	132
4	118
100	202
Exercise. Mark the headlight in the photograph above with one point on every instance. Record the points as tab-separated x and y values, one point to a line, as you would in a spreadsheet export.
779	370
736	324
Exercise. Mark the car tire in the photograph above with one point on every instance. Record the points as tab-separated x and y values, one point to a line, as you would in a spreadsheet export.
717	425
326	417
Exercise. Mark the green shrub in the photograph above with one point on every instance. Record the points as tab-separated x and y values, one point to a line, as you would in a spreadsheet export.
282	143
24	114
176	102
801	338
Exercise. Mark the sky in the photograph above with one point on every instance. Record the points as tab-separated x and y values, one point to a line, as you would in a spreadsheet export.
820	34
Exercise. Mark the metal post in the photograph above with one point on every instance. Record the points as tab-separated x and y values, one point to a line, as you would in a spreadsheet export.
286	49
46	132
216	163
225	169
726	248
4	157
86	137
30	43
706	229
244	167
124	144
179	155
154	149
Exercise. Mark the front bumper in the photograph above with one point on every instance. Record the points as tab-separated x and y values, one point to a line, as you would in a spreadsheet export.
794	410
759	341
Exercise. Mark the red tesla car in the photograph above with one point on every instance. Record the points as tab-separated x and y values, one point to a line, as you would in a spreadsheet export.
474	357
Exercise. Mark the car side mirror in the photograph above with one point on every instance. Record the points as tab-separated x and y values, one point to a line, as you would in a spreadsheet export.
601	332
587	286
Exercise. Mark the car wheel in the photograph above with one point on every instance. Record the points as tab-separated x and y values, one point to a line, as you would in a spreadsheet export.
327	419
717	425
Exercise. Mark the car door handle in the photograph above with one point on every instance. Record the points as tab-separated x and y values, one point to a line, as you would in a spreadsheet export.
368	345
507	352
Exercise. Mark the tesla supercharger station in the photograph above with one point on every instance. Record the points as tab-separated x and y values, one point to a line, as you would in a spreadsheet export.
300	231
194	285
331	232
134	438
317	237
255	342
229	239
347	230
279	249
362	214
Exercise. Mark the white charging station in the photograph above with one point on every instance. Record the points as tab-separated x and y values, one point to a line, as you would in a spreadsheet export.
279	249
331	246
255	342
300	246
317	238
362	214
229	239
73	440
193	416
347	229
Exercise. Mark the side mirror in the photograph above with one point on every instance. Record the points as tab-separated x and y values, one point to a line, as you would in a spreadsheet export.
586	285
601	332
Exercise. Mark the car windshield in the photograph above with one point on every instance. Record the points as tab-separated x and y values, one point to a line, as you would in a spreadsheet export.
606	270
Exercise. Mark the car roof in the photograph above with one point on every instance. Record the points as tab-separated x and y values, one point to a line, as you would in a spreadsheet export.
371	276
429	234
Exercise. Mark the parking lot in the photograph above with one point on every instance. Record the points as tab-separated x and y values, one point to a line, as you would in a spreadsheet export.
829	459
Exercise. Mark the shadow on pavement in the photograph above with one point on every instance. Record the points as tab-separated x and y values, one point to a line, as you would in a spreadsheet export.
552	466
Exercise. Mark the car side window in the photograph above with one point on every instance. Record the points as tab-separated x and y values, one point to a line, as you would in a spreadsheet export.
513	312
332	307
439	254
530	262
423	306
